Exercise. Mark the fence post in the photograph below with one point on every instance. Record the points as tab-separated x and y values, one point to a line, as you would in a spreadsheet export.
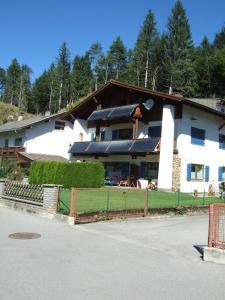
50	197
2	186
73	202
210	230
178	197
146	202
107	200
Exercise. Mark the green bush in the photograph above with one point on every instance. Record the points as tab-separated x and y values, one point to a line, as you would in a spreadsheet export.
68	174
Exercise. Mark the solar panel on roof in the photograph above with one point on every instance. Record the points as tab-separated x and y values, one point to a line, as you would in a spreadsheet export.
79	147
119	146
99	114
111	113
97	147
144	145
122	111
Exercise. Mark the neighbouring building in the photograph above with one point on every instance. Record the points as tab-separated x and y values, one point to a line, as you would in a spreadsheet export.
49	135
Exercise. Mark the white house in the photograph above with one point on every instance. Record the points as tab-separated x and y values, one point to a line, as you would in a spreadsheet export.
49	135
137	133
140	133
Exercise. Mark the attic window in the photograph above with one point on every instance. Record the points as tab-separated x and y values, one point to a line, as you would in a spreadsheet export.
59	125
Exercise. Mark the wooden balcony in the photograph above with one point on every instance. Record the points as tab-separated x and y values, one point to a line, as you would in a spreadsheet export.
10	151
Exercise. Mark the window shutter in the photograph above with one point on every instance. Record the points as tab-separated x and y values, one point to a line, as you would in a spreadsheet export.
114	134
143	169
92	136
221	141
188	172
206	173
220	174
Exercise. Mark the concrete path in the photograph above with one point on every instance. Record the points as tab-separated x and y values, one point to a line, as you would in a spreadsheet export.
135	259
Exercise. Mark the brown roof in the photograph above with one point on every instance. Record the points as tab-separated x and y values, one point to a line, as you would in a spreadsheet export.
39	156
124	85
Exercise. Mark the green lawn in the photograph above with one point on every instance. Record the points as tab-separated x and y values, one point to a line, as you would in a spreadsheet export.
108	199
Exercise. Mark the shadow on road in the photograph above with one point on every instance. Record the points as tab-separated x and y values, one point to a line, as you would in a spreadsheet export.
200	249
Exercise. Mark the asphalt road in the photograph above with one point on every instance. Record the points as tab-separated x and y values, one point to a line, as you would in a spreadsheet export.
135	259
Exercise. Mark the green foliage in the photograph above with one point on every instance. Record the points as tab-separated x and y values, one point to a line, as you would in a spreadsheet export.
75	174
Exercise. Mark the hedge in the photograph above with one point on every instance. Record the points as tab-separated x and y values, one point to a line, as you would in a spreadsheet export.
67	174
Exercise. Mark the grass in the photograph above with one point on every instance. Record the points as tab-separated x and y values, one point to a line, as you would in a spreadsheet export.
108	199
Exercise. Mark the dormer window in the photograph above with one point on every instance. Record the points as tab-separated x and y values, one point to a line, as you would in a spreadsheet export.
59	125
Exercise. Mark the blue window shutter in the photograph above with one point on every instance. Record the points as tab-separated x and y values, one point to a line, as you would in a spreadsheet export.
143	169
206	173
102	135
220	174
221	141
114	134
188	172
92	136
197	136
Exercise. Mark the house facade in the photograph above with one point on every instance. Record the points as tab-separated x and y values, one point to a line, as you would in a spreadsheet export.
139	133
48	135
136	132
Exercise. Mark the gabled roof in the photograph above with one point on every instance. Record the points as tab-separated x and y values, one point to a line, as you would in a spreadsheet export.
207	105
19	125
132	87
39	156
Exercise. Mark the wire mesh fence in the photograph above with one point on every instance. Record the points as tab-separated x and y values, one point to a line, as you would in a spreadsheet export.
216	234
124	201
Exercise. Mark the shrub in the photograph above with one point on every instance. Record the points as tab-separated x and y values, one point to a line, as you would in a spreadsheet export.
68	174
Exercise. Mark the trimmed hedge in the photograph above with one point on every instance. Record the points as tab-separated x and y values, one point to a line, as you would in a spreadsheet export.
68	174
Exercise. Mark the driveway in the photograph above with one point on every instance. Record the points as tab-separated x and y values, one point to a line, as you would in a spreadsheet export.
135	259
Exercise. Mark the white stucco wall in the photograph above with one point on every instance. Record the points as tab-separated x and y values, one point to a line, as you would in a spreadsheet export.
44	138
209	154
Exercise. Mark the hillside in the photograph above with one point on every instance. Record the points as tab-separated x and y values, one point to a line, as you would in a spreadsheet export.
10	112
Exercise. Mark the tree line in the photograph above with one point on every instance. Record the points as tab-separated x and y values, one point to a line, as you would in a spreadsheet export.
168	62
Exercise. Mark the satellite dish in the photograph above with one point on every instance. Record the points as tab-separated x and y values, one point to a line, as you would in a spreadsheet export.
148	104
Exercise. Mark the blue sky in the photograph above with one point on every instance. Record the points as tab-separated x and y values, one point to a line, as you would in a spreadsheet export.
33	30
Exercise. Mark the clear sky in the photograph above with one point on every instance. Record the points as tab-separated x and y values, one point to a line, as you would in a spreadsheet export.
33	30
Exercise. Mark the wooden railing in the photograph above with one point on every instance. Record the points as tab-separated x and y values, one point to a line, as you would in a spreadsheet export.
10	150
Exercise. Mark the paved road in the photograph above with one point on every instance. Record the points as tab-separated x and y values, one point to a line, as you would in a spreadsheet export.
135	259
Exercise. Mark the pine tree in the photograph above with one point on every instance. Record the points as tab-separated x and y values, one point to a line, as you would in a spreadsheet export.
25	87
145	64
95	54
82	76
2	81
203	67
219	41
117	59
63	69
12	88
40	94
181	74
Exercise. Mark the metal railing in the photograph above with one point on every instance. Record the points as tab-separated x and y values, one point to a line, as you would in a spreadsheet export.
23	192
216	233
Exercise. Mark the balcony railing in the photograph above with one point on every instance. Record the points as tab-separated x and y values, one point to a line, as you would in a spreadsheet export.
5	151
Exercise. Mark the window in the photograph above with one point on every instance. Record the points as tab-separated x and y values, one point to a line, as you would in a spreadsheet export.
18	142
122	134
149	170
197	172
59	125
197	136
221	141
154	131
102	133
6	143
221	174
